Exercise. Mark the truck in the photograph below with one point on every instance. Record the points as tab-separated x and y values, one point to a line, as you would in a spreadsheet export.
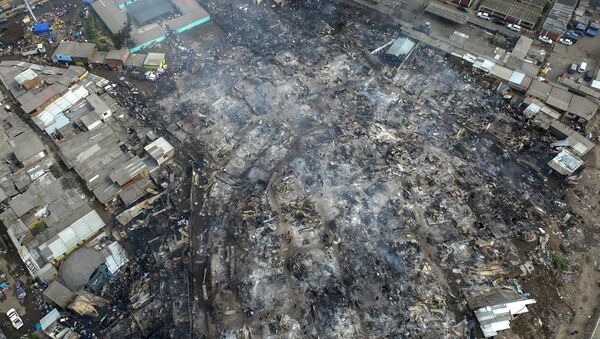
38	49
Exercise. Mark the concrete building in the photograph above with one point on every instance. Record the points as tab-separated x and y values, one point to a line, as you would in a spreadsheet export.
152	19
154	61
78	53
521	12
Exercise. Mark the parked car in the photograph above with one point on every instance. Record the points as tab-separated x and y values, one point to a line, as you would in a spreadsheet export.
588	76
14	318
498	21
545	39
591	32
573	68
573	36
565	41
483	15
582	67
463	8
514	27
20	290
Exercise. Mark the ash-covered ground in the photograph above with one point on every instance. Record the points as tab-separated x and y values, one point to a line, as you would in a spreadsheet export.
340	202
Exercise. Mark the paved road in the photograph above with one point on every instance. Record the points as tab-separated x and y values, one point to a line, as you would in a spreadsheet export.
492	27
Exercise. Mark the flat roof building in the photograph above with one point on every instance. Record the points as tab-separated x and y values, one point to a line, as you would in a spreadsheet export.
145	11
148	26
154	60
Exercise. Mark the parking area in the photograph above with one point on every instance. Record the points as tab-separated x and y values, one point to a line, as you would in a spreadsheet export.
32	308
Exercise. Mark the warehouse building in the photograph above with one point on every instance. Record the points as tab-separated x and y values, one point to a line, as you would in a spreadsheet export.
152	19
523	13
557	22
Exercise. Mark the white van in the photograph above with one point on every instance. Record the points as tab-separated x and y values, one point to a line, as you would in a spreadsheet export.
582	67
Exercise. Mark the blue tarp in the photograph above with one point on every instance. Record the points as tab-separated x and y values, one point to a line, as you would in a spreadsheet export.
41	28
88	2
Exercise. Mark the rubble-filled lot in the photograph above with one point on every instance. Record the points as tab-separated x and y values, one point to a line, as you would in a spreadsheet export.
343	203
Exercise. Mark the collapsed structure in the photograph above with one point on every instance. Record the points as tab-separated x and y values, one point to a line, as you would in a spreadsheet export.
496	307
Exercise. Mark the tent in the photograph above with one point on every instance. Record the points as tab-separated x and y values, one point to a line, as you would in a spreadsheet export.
41	28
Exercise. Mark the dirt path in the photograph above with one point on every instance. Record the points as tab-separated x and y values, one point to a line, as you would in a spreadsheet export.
584	297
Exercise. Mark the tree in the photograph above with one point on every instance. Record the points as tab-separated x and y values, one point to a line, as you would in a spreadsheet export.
123	38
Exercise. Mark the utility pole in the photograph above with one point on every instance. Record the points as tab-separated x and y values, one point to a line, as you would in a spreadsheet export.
30	11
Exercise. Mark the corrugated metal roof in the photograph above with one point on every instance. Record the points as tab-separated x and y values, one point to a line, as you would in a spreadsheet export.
75	49
158	148
116	258
484	64
97	104
565	162
513	8
29	101
401	46
52	117
128	171
49	319
80	230
25	76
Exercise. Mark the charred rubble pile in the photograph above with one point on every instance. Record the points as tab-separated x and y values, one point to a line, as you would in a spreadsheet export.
343	202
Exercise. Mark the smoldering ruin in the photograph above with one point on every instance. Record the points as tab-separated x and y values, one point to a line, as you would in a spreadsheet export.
311	169
343	200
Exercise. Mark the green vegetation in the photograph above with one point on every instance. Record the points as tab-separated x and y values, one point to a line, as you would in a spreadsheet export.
56	171
560	262
90	30
96	32
122	38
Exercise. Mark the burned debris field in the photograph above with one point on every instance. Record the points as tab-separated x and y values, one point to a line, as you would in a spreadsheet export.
308	169
352	198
